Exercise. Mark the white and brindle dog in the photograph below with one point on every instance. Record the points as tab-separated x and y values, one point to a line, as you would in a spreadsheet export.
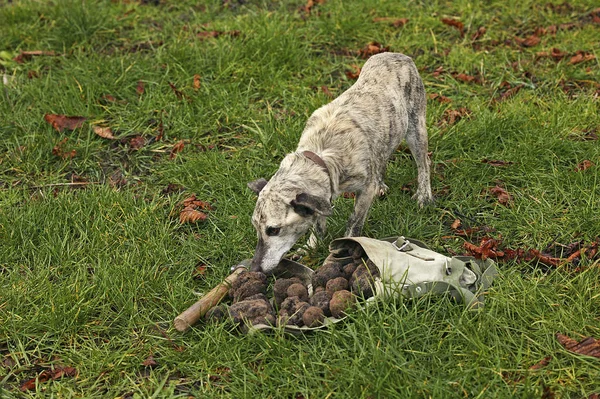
344	147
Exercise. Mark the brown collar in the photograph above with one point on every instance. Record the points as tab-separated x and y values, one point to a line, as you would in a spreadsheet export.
319	161
316	159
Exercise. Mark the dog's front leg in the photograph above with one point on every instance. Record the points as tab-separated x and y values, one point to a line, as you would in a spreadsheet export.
362	203
317	233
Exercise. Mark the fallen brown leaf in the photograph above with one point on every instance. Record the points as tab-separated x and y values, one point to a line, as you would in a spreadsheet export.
150	362
541	364
456	224
180	95
58	150
47	375
326	91
588	346
191	216
199	271
216	33
451	116
178	147
455	24
61	122
501	194
310	4
354	73
104	132
372	48
395	22
488	248
581	56
27	55
479	34
496	162
438	97
196	81
584	166
140	87
555	54
463	77
530	41
192	202
137	142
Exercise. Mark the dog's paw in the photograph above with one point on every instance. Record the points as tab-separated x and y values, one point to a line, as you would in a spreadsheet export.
383	189
423	199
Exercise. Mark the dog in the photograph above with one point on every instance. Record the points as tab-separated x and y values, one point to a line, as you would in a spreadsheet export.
344	147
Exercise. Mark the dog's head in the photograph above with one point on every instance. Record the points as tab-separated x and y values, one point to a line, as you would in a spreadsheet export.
281	216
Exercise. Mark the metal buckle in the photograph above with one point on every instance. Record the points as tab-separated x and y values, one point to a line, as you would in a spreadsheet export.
400	248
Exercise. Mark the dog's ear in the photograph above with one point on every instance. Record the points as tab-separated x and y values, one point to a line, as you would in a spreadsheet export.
307	205
257	185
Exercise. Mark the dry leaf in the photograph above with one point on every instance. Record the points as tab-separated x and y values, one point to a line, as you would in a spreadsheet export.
371	49
47	375
451	116
150	362
488	248
191	216
479	34
192	202
178	147
464	77
581	56
456	224
584	166
104	132
395	22
439	97
501	194
326	91
353	75
137	142
140	88
180	95
588	346
455	24
530	41
542	363
61	122
496	162
196	82
27	55
58	150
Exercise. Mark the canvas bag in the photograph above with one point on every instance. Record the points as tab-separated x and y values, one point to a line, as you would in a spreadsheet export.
408	268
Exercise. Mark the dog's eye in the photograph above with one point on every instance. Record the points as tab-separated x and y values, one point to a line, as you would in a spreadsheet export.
273	231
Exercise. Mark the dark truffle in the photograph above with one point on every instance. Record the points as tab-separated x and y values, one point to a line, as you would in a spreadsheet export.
280	288
321	300
337	284
363	285
291	311
248	284
328	271
358	252
340	302
349	269
252	311
216	314
298	290
313	316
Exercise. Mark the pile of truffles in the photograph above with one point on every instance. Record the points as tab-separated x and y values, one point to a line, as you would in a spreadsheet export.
346	274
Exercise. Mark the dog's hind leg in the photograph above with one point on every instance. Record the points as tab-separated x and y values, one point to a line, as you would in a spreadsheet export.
417	141
362	203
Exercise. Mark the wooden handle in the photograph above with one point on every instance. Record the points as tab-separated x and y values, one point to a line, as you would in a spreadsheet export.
192	314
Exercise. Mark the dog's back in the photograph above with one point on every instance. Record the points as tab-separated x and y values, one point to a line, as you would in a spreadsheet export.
361	128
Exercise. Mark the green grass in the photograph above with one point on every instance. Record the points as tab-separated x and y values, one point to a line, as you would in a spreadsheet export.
91	277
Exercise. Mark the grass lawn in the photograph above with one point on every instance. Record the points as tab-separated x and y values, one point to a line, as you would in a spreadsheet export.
202	97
